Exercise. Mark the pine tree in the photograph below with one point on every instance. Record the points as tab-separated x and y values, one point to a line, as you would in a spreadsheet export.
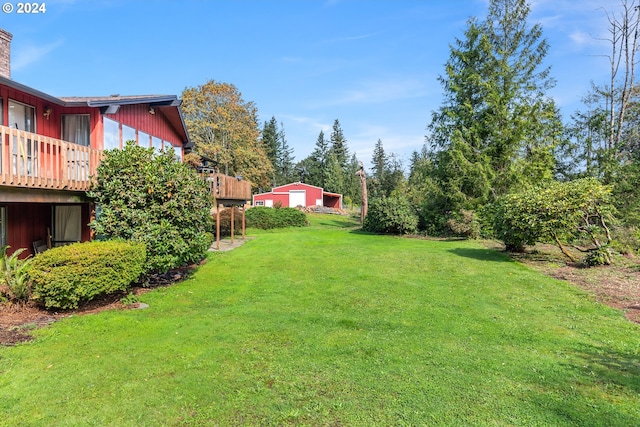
270	139
339	144
379	162
285	168
497	128
316	163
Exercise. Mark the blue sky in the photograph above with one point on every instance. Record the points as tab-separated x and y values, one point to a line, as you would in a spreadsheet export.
371	64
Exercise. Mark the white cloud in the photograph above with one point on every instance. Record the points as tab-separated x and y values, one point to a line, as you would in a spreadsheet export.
378	91
581	38
28	55
308	122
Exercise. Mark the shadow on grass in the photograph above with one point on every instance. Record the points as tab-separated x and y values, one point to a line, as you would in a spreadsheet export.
611	367
613	372
337	223
481	254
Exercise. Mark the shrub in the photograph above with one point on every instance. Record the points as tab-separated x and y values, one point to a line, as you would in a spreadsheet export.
465	224
14	274
64	277
267	218
151	198
597	257
392	215
557	212
626	240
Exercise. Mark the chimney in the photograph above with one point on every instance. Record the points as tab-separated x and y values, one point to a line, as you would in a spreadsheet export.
5	53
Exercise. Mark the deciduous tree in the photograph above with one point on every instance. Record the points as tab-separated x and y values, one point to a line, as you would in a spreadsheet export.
224	127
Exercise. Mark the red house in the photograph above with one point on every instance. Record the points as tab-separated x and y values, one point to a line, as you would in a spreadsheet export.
51	146
298	194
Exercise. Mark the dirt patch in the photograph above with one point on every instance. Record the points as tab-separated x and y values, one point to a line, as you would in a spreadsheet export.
616	285
18	320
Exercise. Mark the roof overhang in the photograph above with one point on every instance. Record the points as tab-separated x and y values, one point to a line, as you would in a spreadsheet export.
31	91
168	104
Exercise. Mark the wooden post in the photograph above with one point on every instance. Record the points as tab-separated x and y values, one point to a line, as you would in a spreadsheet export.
233	220
217	227
244	208
365	201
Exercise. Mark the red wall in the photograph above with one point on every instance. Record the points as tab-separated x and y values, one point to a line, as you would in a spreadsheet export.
312	193
136	116
28	222
48	127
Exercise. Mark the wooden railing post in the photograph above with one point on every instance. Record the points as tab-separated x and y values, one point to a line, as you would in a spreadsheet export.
36	161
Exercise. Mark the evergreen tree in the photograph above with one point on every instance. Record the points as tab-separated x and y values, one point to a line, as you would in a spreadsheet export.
497	128
285	168
352	189
316	163
333	174
270	139
339	144
379	168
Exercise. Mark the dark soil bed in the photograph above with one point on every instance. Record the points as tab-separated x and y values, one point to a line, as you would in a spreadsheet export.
17	320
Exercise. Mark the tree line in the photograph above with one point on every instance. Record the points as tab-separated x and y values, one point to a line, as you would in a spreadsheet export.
497	133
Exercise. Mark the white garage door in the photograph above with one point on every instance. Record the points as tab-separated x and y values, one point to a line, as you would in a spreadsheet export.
297	198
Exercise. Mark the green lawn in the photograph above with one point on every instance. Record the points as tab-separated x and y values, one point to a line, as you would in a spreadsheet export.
326	325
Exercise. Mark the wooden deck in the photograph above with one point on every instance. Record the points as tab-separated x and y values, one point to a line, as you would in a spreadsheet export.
228	189
29	160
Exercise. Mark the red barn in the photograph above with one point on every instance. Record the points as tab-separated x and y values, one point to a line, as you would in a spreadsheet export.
298	194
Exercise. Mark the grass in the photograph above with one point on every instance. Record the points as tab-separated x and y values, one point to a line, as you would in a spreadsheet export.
326	325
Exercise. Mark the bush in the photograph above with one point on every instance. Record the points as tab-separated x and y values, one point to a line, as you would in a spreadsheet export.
267	218
556	212
597	257
626	240
14	274
153	199
391	215
465	224
64	277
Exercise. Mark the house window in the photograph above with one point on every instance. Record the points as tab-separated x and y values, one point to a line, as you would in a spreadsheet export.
111	134
22	116
144	140
156	143
75	128
67	224
128	134
259	202
24	150
3	226
177	150
1	112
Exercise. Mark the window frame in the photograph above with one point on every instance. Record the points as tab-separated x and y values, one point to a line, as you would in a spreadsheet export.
62	128
33	127
118	138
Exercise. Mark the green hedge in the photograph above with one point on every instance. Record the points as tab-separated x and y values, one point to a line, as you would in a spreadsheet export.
266	218
65	276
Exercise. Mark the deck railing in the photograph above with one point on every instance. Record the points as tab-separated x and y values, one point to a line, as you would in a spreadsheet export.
228	188
36	161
